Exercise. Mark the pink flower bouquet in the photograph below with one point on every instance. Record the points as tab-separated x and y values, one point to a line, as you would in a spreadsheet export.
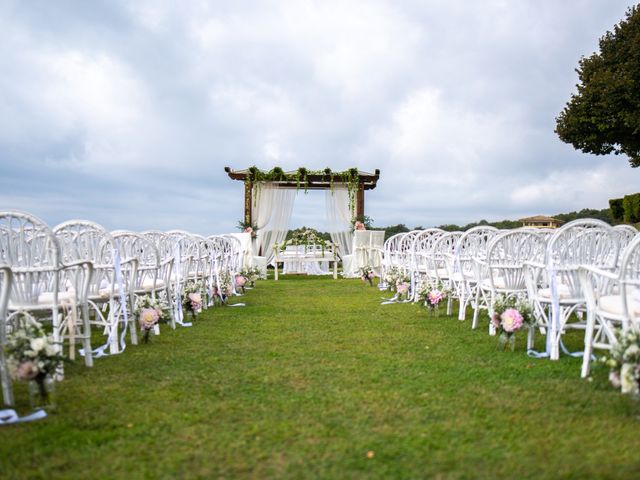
196	301
510	315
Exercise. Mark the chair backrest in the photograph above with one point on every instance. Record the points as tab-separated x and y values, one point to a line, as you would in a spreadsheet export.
581	242
423	245
162	241
444	248
84	240
506	254
406	242
30	248
630	264
630	280
473	243
625	233
235	252
27	242
136	247
189	251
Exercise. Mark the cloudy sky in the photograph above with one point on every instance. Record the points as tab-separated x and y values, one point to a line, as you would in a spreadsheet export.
126	112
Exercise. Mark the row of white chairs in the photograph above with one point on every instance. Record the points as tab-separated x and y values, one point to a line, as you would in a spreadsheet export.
583	275
79	276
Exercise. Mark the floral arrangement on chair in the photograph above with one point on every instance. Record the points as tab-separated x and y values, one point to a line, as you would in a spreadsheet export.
624	363
192	297
248	227
33	356
251	274
149	312
240	281
221	294
510	314
359	226
367	274
398	282
431	296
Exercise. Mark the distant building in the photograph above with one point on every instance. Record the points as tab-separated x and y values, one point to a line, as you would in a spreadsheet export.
540	221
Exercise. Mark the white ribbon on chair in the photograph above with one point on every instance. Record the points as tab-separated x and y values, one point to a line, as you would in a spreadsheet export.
114	318
177	306
9	416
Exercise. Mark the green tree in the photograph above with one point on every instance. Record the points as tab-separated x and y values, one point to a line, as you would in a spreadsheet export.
393	229
604	115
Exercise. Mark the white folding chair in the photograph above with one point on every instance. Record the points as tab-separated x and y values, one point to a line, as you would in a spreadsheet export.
6	279
472	246
501	272
43	286
554	287
613	301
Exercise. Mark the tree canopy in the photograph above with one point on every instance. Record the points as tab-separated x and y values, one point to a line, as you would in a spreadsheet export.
604	115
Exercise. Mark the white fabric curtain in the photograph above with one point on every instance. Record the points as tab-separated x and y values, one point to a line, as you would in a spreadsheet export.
247	250
339	218
271	212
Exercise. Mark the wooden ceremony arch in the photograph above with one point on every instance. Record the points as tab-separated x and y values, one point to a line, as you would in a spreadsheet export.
355	180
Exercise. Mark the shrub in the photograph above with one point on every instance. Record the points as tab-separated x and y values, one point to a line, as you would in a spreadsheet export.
617	209
631	205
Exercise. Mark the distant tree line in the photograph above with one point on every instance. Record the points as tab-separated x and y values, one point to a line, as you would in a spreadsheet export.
604	215
622	210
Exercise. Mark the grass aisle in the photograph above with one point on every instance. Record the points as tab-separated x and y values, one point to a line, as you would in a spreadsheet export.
311	379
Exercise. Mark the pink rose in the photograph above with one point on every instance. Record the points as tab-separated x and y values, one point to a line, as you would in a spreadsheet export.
360	226
148	318
435	296
402	288
240	281
196	301
511	320
27	370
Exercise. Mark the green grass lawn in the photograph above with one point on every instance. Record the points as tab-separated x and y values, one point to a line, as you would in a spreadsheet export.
315	379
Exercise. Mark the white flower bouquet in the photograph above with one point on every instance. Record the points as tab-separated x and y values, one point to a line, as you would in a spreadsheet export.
149	312
624	363
32	355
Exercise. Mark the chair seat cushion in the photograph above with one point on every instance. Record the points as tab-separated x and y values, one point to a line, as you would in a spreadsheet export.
564	292
613	304
46	298
107	291
147	284
498	282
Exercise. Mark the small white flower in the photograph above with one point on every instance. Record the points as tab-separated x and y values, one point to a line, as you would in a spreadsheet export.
631	353
38	344
30	353
627	379
50	350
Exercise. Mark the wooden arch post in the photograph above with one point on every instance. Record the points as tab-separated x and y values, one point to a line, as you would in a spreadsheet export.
248	200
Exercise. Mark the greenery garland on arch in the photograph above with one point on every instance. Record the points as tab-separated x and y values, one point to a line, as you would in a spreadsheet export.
350	178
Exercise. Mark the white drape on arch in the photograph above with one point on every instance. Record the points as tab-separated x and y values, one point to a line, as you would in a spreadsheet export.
339	217
271	212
